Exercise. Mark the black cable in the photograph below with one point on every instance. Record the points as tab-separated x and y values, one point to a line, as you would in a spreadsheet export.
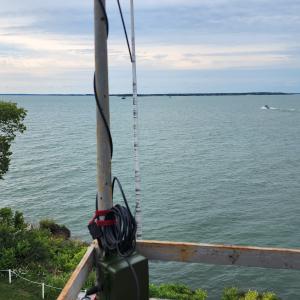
105	16
103	117
125	31
138	292
115	179
120	237
95	86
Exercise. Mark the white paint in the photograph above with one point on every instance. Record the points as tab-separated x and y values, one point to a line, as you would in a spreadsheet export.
137	177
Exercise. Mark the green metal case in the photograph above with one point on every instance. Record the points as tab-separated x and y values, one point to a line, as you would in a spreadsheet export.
118	281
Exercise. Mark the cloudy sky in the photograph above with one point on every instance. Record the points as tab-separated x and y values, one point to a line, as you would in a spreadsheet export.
182	46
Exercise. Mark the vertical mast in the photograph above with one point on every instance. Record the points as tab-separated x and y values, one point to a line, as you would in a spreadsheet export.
104	192
137	177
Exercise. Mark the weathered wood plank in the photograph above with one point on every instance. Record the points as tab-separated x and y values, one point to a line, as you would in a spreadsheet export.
79	276
280	258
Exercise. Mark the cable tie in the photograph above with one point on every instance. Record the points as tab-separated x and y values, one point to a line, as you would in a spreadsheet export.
105	223
99	213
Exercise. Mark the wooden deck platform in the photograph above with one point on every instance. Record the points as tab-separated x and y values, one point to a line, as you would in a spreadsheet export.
262	257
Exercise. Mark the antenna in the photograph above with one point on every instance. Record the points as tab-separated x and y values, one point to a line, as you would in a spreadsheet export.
138	210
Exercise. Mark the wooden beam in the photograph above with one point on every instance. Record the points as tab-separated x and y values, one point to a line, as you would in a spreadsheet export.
279	258
79	276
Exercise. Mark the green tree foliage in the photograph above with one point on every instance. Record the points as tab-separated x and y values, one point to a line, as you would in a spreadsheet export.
24	247
11	122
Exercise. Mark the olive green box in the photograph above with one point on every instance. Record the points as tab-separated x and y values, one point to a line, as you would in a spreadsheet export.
118	280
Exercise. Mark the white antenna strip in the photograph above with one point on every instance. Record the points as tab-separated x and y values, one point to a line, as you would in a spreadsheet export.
138	215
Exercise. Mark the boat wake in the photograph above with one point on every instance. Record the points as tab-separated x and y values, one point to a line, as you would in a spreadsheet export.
279	109
269	107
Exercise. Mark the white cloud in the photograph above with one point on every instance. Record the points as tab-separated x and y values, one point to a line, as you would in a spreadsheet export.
43	54
172	36
9	22
47	42
207	57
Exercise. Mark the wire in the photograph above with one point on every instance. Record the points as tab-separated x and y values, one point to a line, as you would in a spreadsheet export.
125	31
103	117
31	281
95	85
105	16
120	237
138	292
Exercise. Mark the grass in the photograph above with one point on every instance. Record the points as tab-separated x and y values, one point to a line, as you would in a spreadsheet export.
19	290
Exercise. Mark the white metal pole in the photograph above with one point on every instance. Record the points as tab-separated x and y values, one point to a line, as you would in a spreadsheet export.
138	215
9	276
103	145
43	290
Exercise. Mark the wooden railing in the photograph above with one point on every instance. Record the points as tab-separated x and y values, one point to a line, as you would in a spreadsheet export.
79	276
279	258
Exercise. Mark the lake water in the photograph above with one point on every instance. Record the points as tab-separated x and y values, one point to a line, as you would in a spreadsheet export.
214	170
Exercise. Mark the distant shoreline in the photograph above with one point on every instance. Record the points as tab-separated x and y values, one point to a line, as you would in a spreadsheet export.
165	94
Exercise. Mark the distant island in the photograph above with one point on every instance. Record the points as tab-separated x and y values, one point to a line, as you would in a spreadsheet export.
163	94
208	94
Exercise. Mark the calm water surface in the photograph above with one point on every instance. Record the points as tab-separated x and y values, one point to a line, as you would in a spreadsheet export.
214	170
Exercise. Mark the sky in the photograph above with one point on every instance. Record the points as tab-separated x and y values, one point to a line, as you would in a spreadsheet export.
186	46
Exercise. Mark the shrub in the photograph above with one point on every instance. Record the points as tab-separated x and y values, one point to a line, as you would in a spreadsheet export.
176	291
251	295
231	294
35	248
234	294
269	296
6	216
55	229
19	222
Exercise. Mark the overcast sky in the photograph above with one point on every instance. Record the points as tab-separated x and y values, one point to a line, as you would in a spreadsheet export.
182	46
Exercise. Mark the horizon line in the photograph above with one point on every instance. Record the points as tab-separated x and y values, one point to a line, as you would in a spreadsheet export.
155	94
